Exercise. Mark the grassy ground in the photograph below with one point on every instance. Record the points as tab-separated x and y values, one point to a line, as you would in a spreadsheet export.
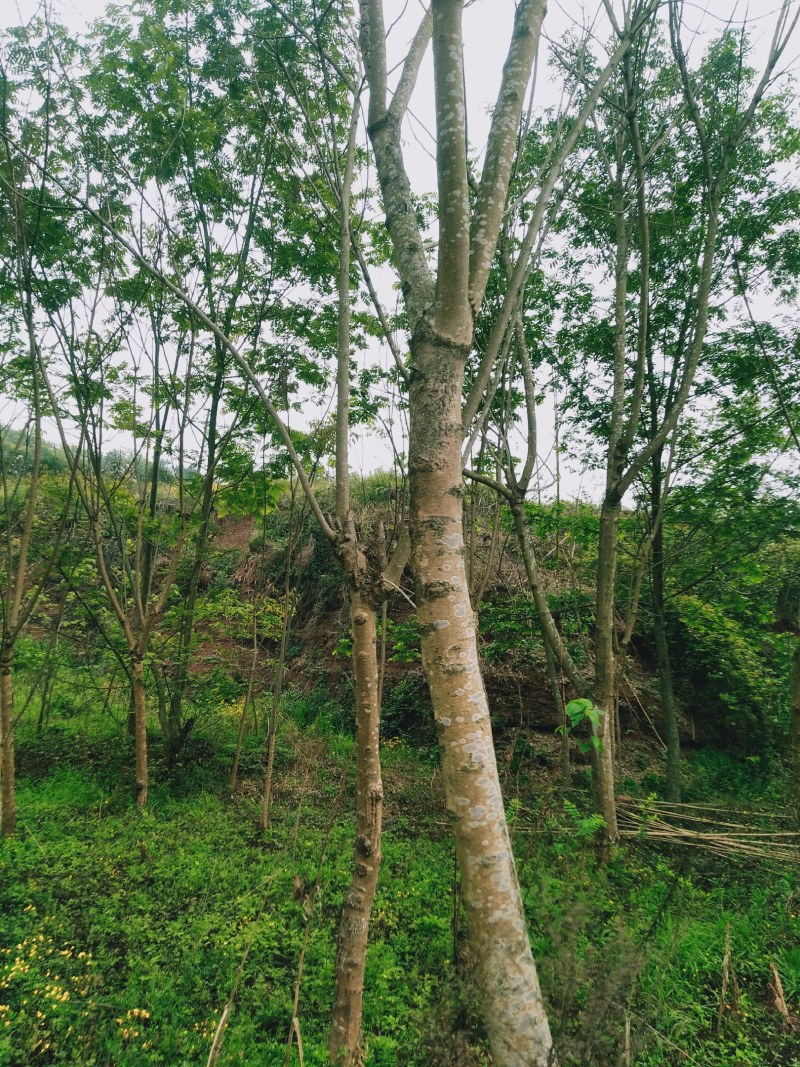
121	933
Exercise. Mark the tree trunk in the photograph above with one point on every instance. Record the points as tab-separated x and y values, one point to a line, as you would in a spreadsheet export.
550	631
272	729
8	821
248	697
239	743
794	724
131	717
665	673
351	954
277	689
495	538
140	714
605	669
558	703
173	729
511	1000
184	652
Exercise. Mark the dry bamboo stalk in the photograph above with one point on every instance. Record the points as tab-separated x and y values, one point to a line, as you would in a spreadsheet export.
716	822
779	1000
627	1039
713	807
710	822
779	843
720	847
728	980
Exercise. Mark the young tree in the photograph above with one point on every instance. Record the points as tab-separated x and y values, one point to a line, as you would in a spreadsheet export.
370	574
183	130
660	201
41	266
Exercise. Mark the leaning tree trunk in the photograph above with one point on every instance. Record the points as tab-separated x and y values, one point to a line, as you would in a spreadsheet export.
140	723
8	820
508	985
344	1042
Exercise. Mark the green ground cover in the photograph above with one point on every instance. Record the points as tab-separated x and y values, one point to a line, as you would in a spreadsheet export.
122	932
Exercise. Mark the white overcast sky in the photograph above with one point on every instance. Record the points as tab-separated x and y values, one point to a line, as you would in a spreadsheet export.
487	26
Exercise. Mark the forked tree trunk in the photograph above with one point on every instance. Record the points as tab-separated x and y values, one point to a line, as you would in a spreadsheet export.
511	999
351	954
8	821
140	715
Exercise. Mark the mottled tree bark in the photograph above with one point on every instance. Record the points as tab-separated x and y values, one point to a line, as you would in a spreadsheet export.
367	593
511	998
441	324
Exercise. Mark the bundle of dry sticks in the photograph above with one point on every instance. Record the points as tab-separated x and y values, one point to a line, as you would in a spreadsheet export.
725	831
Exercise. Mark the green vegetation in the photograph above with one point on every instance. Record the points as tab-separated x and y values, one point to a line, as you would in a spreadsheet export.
123	930
431	766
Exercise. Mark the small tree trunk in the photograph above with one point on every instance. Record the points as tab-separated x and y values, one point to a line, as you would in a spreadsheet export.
266	796
272	728
558	701
351	954
665	674
170	727
248	697
605	670
8	822
552	637
382	661
44	704
794	724
481	590
140	716
239	742
511	1000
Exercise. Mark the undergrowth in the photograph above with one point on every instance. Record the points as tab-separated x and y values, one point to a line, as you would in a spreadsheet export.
121	932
